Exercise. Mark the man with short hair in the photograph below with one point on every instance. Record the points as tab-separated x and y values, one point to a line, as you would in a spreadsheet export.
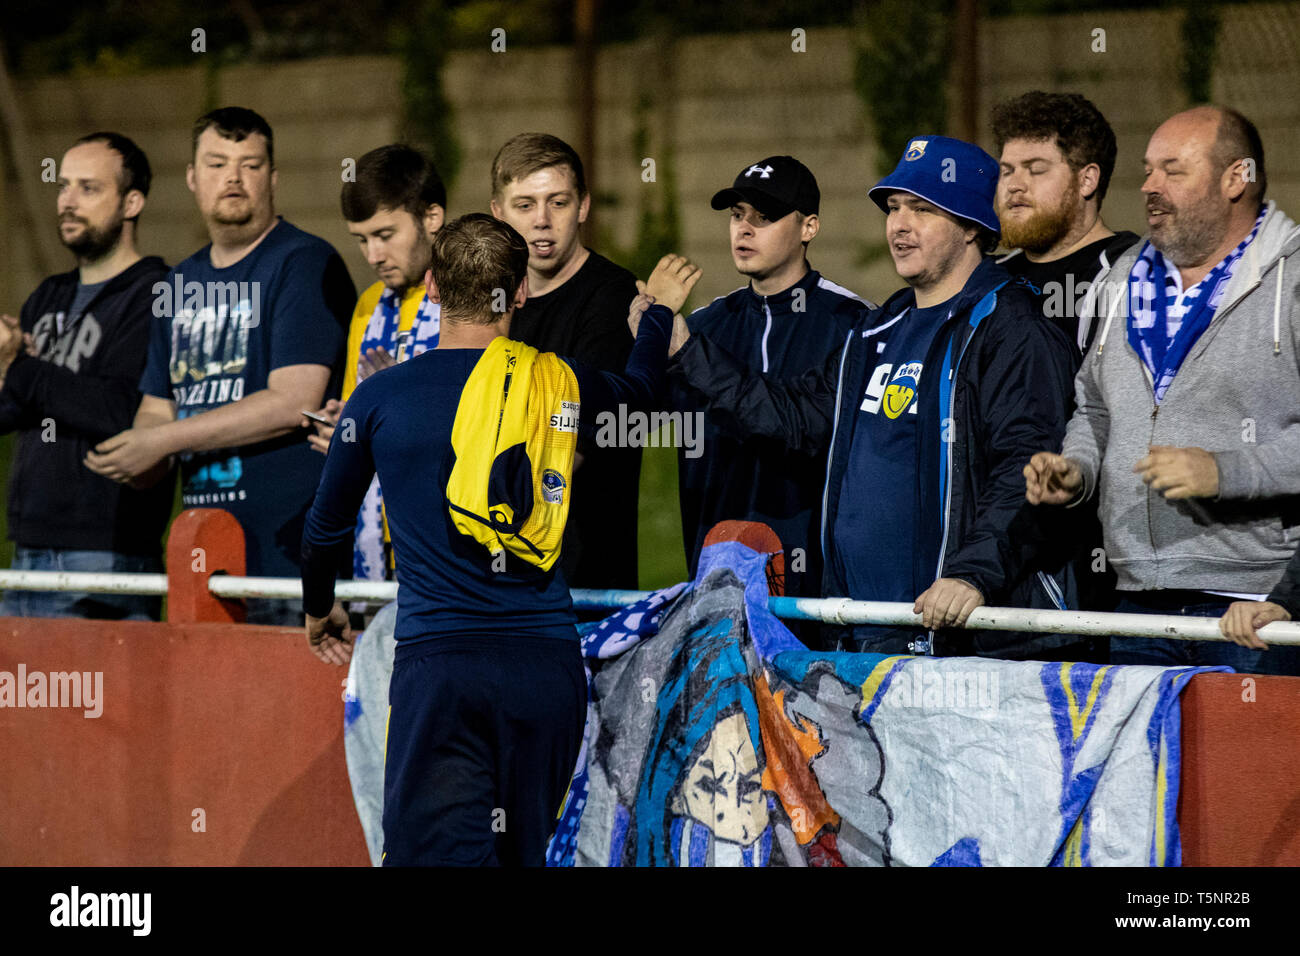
249	333
929	411
577	303
75	384
1057	156
393	207
1193	387
488	697
785	321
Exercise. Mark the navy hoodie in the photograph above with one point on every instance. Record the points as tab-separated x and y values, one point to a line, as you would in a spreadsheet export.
754	478
1004	385
77	390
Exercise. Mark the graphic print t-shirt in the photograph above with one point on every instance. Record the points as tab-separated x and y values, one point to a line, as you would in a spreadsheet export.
220	334
882	516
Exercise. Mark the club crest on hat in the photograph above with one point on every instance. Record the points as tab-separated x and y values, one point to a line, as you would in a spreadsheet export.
915	149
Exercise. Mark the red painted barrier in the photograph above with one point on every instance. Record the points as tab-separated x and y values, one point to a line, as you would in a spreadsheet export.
216	745
203	542
1239	803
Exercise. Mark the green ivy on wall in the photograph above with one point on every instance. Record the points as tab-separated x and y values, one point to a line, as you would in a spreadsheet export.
1200	39
421	43
901	71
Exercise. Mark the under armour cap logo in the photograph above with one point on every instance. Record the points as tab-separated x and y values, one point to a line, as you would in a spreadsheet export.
764	172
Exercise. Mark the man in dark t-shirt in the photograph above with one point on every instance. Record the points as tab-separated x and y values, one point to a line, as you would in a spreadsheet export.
577	306
248	332
1057	155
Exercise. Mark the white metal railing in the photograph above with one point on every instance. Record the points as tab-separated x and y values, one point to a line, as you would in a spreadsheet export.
832	610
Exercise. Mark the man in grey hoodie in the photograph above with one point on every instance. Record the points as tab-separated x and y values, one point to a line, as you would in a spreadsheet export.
1188	418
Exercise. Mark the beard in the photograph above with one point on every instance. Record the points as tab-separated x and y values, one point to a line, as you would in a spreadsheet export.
241	218
1192	234
1045	227
93	243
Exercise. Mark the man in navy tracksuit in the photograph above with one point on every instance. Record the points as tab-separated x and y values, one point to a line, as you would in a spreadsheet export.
930	411
785	321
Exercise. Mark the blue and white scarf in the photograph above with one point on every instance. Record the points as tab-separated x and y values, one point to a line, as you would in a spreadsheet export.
370	555
1164	319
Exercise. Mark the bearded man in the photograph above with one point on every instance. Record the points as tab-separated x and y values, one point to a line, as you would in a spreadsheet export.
70	368
1193	388
1057	155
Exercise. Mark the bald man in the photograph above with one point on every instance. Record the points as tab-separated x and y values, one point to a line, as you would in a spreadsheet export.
1188	418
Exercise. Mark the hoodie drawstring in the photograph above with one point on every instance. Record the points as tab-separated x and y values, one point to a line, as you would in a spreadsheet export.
1110	317
1277	308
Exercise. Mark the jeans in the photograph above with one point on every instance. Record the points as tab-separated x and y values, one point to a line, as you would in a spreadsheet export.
275	612
112	607
1169	652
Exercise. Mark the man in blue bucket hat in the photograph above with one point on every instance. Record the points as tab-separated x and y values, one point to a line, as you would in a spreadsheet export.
930	411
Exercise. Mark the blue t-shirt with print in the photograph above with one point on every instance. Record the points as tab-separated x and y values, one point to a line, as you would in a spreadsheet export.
216	337
884	515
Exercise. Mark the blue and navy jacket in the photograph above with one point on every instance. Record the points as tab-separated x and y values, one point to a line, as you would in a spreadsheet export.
751	478
1006	378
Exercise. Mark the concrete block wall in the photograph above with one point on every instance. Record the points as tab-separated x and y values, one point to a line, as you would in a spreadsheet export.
721	102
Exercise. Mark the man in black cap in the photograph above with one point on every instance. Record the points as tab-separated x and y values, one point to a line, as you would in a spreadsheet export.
929	411
785	321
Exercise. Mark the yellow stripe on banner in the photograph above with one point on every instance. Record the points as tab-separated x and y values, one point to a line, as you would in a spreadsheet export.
1093	691
1162	793
1079	718
1071	705
1073	855
871	686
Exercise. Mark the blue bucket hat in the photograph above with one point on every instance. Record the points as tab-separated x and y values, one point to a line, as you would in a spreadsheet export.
956	176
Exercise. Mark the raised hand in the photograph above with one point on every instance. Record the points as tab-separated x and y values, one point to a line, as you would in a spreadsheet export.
672	281
1052	479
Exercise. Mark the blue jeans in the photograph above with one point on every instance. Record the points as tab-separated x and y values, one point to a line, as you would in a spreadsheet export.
275	612
113	607
1168	652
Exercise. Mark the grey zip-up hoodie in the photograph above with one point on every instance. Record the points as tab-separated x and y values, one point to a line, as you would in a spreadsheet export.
1237	395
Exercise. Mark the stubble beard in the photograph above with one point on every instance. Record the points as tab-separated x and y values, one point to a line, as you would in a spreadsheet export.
94	244
1191	236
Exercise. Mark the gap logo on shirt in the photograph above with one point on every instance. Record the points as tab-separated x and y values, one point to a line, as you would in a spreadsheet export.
66	350
893	390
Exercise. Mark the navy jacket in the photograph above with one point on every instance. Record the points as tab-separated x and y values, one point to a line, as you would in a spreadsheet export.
84	379
737	476
1006	377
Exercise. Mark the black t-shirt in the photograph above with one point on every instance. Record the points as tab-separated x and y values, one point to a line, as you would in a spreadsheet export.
586	319
1063	283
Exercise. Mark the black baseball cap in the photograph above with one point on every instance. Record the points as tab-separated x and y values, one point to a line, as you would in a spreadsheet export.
776	187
